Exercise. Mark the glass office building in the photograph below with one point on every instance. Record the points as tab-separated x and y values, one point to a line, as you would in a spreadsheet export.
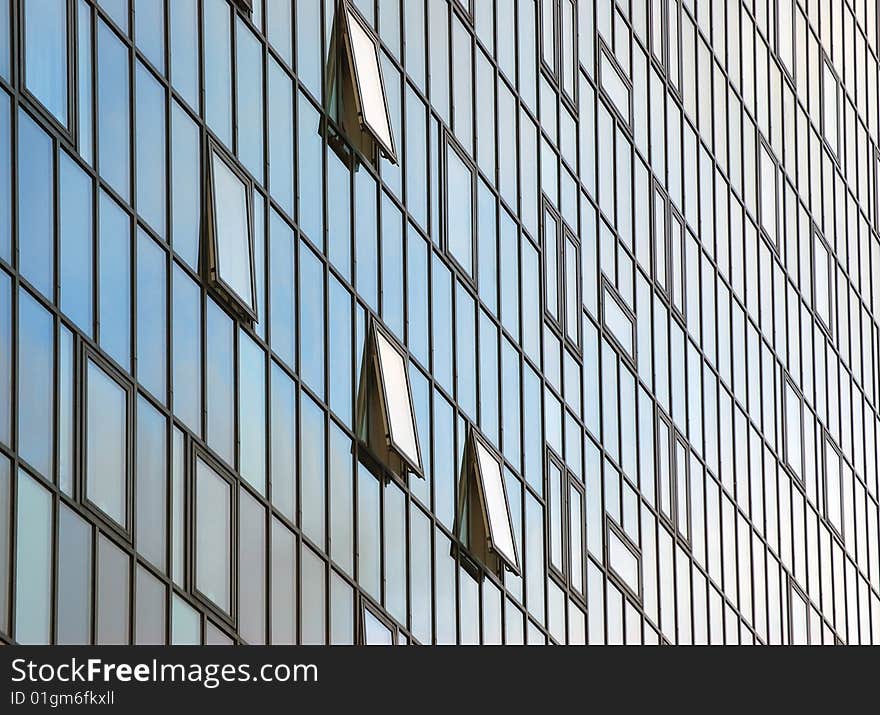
439	321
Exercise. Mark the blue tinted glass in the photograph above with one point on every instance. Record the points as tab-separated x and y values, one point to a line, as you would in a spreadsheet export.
118	12
187	351
185	185
460	210
282	289
5	179
150	149
281	136
184	30
312	469
310	172
84	80
151	479
76	197
466	356
339	326
4	40
36	359
252	412
441	323
366	239
416	157
279	25
114	313
308	44
249	95
33	563
114	130
311	318
74	579
149	30
45	60
218	72
5	358
220	388
151	312
106	438
392	266
35	205
339	219
417	295
283	442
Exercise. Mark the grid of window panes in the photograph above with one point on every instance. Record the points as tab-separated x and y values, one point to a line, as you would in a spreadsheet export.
634	243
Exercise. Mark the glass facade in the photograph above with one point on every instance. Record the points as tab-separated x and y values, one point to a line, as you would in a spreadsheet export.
434	321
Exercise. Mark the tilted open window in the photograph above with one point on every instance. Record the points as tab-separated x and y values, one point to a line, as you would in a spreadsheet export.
229	241
484	525
356	88
386	416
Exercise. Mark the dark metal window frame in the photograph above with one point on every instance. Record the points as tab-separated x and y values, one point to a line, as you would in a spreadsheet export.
611	526
84	355
190	537
449	143
372	362
366	605
70	131
471	479
211	267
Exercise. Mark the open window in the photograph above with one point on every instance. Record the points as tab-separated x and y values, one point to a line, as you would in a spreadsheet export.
229	239
356	89
386	417
484	524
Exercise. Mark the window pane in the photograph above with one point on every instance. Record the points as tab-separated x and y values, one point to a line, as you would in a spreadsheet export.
114	130
220	377
76	196
249	89
5	177
115	275
36	203
187	358
459	210
150	618
45	23
500	528
283	442
375	631
113	600
213	529
5	358
232	231
106	444
252	412
183	26
313	584
36	357
252	569
5	540
186	623
618	322
624	562
151	479
33	563
217	44
74	579
398	400
149	28
283	581
369	82
151	315
185	184
150	149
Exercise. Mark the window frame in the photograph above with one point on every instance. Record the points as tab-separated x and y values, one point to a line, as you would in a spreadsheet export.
197	453
350	13
607	287
371	369
449	143
611	61
611	526
366	605
86	355
70	131
568	481
211	265
471	484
